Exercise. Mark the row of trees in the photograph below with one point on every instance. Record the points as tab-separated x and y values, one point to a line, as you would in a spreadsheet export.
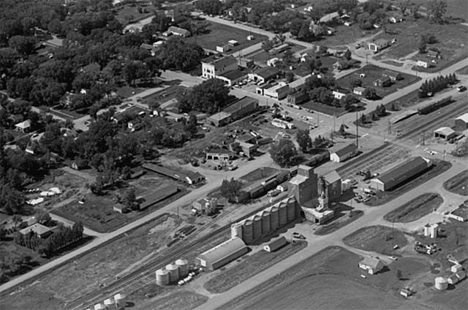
428	88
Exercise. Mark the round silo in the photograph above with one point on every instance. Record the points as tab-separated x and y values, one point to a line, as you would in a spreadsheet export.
162	277
257	226
99	306
266	224
283	213
274	218
441	283
173	273
291	209
247	231
236	230
109	302
183	267
119	300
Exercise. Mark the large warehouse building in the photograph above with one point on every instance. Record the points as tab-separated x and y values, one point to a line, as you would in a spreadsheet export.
222	254
401	173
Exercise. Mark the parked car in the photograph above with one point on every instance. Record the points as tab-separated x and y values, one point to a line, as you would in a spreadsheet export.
297	235
461	88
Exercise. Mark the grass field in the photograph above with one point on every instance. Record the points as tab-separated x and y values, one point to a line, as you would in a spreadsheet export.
463	70
372	73
329	279
455	8
458	184
322	108
438	167
415	209
219	34
250	266
380	239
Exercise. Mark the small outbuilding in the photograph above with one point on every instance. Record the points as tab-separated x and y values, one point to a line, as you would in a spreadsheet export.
275	244
445	133
371	264
344	153
453	279
222	254
121	208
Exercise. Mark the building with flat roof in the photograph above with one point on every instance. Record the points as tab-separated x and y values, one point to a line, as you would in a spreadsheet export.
232	77
279	91
214	67
222	254
264	75
40	230
235	111
378	45
177	31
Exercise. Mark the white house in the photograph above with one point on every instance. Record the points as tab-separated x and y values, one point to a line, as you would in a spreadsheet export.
338	95
371	264
23	126
359	90
422	63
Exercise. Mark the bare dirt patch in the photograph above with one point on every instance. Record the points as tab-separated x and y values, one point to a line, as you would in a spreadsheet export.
415	209
458	184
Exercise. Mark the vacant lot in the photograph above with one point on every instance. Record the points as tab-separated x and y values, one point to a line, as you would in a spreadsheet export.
438	167
219	34
250	266
345	35
372	73
329	279
458	184
415	209
380	239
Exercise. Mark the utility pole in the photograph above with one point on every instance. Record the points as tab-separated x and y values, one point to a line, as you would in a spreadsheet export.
423	138
357	134
389	128
334	129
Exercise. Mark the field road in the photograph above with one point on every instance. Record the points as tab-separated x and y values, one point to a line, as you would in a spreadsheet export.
262	161
372	216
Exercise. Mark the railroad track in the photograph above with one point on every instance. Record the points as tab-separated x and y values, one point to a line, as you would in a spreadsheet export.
144	275
392	151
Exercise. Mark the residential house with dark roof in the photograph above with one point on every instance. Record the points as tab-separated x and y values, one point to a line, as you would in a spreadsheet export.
392	75
93	68
177	31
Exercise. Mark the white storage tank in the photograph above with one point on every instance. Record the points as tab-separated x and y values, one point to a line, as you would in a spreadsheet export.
99	306
427	230
266	227
274	218
109	302
441	283
283	213
183	267
173	273
236	230
257	226
119	299
162	277
247	231
291	209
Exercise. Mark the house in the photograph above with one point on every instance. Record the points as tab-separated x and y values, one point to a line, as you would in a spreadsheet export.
40	230
344	153
461	122
392	75
178	31
222	254
231	77
212	68
359	90
338	94
151	48
395	19
120	208
233	42
223	48
92	69
272	62
275	244
378	45
401	173
371	264
249	149
23	126
384	81
422	63
297	98
329	17
279	91
460	214
264	75
445	133
233	112
433	54
406	292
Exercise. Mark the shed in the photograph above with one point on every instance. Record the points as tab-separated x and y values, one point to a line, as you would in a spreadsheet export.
445	133
275	244
223	253
344	153
453	279
371	264
461	122
120	208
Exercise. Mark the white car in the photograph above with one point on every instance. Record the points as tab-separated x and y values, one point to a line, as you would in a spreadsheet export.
394	258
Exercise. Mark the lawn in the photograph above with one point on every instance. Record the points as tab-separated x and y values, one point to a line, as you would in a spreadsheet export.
180	300
128	14
415	209
458	184
345	35
438	167
249	267
371	74
455	8
380	239
323	108
219	34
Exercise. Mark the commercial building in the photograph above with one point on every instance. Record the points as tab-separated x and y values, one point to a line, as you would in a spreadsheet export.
231	77
40	230
297	97
401	173
344	153
278	91
371	264
445	133
214	67
222	254
461	122
264	75
234	112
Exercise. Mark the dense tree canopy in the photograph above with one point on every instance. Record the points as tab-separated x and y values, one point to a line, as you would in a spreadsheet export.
210	96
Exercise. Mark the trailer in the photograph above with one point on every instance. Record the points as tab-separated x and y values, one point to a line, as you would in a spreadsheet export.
435	106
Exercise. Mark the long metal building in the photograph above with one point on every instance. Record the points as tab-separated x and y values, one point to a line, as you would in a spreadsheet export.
222	254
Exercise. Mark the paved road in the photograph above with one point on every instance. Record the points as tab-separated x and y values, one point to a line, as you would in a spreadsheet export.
371	217
262	161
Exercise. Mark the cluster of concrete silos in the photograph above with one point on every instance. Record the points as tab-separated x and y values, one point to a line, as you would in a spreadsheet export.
266	221
172	273
115	302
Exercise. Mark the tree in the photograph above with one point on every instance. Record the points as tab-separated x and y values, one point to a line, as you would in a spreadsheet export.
284	153
347	55
211	7
23	45
210	96
17	219
43	218
2	233
129	198
356	83
191	125
289	76
399	275
437	9
267	45
304	140
404	5
179	55
370	93
230	189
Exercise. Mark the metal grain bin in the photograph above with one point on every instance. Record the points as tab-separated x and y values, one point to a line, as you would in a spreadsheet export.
266	223
274	218
257	226
283	213
247	231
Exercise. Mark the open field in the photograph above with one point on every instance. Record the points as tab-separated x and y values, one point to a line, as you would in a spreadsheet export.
345	35
250	266
455	8
97	268
330	279
438	167
415	209
322	108
180	300
380	239
458	184
373	73
220	34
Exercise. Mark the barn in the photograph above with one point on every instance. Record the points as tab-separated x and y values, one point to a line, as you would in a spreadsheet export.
222	254
397	175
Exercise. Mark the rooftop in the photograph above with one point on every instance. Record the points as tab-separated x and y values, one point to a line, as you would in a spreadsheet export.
223	250
233	74
332	177
463	117
240	104
371	262
446	131
37	228
401	169
346	150
267	72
